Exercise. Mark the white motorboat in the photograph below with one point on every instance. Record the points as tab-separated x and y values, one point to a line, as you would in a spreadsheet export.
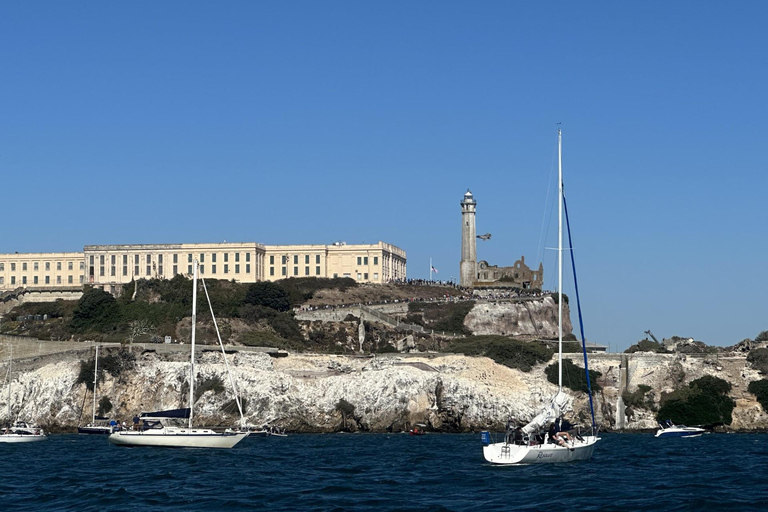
528	444
155	433
669	429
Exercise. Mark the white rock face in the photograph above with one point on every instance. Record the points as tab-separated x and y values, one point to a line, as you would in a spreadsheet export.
525	318
303	392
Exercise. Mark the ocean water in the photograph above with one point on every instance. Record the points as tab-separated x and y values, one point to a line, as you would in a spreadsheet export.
392	472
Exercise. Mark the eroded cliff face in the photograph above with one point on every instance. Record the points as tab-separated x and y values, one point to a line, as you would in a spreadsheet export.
537	317
302	392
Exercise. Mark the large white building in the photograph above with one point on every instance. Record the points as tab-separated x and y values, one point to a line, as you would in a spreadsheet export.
111	266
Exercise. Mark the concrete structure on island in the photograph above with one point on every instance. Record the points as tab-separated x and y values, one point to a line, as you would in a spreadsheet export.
110	267
475	273
468	264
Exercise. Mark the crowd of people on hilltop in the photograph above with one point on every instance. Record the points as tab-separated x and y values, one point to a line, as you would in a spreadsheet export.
497	294
425	282
444	298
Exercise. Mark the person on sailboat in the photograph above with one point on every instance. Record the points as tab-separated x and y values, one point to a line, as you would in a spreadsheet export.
558	438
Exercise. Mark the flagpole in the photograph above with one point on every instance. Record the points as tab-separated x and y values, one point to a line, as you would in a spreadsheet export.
430	270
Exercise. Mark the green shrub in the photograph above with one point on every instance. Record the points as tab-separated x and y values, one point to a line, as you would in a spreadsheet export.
268	294
105	406
703	402
574	376
286	327
646	346
96	310
637	398
268	339
301	289
759	359
521	355
759	388
441	317
763	336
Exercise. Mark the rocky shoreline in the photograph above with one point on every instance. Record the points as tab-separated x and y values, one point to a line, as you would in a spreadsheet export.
381	393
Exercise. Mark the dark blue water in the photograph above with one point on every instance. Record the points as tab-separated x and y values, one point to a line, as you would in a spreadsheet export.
357	472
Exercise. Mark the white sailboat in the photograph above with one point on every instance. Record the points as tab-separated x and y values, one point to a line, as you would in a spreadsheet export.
526	445
19	431
157	434
98	424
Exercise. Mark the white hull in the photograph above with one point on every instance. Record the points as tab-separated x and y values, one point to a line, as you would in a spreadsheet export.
509	454
680	432
172	437
22	438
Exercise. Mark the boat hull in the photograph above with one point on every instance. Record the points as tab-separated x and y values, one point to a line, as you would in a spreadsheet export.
679	433
512	454
94	430
177	438
22	438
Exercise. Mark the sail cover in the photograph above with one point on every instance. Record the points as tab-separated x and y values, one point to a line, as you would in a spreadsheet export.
169	414
547	415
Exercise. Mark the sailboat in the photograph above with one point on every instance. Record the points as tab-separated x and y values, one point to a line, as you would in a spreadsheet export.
20	431
529	444
94	427
155	433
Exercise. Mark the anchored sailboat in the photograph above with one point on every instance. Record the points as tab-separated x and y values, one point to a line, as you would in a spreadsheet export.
529	444
98	424
19	431
154	433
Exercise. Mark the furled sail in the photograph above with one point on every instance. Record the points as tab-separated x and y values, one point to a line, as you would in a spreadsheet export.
551	412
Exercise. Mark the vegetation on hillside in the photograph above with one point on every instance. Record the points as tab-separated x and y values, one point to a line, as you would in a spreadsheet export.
759	388
639	398
149	310
704	401
113	362
441	317
520	355
759	359
574	376
646	346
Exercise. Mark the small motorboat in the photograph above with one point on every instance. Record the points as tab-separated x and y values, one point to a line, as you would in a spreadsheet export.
418	430
669	429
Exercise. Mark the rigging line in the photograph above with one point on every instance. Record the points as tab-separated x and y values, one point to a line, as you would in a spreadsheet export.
545	218
223	353
85	395
581	321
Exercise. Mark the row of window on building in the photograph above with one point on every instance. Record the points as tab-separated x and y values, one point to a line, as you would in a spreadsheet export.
36	280
36	266
155	269
159	261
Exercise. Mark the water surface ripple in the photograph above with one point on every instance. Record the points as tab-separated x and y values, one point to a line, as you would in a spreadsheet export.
391	472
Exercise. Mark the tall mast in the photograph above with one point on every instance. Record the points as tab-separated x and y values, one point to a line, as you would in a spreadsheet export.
560	259
95	373
192	352
10	376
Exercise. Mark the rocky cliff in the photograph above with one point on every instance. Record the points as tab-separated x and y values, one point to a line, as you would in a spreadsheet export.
303	392
529	317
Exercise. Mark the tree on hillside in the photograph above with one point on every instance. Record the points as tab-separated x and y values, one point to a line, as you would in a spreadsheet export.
704	402
96	310
763	336
268	294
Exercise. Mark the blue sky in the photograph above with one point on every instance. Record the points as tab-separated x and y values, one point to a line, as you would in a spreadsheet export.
312	122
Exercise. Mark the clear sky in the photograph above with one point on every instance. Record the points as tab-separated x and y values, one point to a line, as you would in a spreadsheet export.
313	122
